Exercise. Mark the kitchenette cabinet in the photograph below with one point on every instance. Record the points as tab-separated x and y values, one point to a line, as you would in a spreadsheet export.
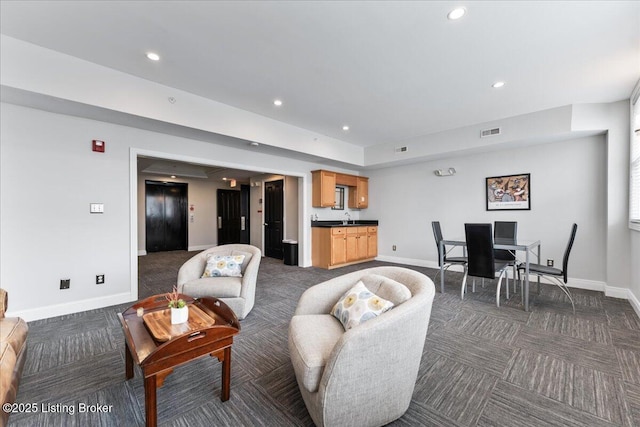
359	195
324	189
336	246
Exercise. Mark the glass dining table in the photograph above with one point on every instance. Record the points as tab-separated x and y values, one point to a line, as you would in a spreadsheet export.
529	247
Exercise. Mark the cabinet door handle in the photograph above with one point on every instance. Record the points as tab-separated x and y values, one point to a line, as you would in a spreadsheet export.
219	222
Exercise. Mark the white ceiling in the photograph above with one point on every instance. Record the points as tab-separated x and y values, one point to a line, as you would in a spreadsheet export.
390	70
165	168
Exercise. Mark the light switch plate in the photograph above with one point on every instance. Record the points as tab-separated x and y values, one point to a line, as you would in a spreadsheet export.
96	208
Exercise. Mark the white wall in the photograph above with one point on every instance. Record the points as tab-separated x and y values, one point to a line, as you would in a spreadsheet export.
49	176
291	207
568	184
634	286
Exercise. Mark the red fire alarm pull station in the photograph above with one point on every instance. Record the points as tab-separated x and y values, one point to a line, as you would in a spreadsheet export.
97	146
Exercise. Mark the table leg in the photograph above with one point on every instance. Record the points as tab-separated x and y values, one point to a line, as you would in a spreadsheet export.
526	282
441	267
539	262
150	401
226	375
128	362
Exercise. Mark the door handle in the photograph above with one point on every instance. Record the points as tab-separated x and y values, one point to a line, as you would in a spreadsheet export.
242	223
219	222
266	225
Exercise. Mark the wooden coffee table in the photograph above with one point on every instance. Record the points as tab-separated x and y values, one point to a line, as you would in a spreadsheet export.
157	346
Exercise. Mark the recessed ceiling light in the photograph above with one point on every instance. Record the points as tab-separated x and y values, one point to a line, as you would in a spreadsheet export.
277	102
255	144
345	127
224	179
456	13
497	84
153	56
173	176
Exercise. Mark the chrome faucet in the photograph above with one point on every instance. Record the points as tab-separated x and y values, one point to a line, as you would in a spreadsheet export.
346	221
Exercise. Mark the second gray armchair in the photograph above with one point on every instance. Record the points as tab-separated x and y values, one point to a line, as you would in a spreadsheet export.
237	292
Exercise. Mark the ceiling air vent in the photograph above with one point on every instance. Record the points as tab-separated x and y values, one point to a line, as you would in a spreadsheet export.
489	132
401	149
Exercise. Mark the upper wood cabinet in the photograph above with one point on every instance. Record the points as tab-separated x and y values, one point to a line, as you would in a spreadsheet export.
359	195
324	189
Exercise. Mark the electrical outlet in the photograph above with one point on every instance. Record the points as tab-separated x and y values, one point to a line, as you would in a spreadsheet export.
394	247
549	263
65	283
99	279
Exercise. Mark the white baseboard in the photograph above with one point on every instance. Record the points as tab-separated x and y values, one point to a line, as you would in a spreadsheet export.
633	300
406	261
72	307
616	292
143	252
591	285
199	247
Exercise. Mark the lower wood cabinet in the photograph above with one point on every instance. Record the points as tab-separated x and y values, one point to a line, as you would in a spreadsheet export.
372	242
333	247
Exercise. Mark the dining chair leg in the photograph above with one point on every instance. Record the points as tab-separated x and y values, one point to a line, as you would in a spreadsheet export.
564	288
464	285
506	277
498	290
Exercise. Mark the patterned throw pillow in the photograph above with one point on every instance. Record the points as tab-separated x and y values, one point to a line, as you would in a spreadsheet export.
358	305
224	266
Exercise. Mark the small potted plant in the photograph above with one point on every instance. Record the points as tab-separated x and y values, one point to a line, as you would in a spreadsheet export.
179	308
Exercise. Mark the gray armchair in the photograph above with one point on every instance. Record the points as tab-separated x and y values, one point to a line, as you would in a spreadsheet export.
237	292
364	376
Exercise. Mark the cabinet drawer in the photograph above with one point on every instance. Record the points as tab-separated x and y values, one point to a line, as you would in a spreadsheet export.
372	229
338	230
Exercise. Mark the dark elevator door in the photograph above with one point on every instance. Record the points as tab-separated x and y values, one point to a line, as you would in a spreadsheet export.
229	217
273	218
166	216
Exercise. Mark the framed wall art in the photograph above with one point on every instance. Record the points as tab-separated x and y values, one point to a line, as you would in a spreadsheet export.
508	192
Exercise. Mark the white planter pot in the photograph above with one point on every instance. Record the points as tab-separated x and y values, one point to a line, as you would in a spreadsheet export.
179	315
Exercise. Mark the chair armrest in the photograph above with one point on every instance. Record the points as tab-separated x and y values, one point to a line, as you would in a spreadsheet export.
250	276
4	302
321	298
190	270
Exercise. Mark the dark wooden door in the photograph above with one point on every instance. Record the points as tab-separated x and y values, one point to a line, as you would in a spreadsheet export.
229	220
273	218
166	216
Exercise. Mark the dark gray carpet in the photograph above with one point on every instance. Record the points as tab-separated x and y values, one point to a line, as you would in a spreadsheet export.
482	365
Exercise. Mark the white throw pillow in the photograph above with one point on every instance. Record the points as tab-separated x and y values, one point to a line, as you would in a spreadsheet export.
223	266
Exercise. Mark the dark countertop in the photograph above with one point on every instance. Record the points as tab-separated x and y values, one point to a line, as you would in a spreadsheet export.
338	223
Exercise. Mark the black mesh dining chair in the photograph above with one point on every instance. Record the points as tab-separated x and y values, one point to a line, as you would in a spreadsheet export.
554	274
481	258
506	232
448	261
